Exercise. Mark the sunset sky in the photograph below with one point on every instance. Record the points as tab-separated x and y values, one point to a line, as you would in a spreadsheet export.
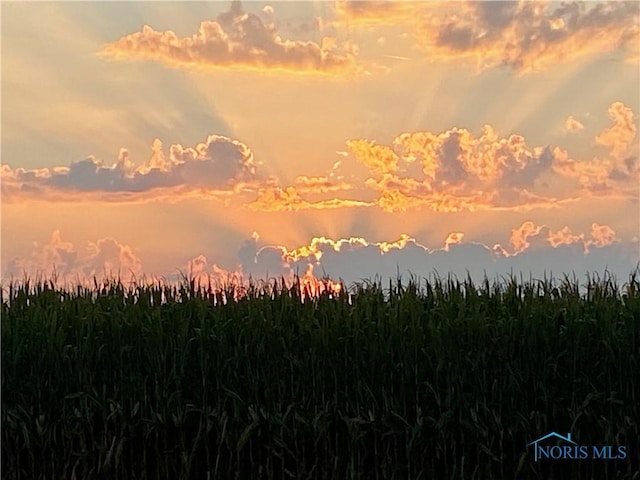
360	138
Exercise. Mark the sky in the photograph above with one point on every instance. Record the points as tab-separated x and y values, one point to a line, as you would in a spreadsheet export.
348	139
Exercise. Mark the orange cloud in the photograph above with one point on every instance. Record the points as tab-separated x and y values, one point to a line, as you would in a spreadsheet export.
379	158
593	175
522	35
311	286
453	238
399	244
617	172
404	185
318	244
237	40
320	184
602	235
563	237
315	248
573	125
375	13
461	171
457	157
619	136
392	201
522	237
216	168
273	199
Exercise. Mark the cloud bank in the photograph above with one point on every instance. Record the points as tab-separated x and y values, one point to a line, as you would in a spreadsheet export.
105	256
530	249
219	166
463	171
449	171
523	36
237	40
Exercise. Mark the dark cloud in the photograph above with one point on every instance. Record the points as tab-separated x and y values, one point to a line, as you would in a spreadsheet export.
520	35
356	261
218	163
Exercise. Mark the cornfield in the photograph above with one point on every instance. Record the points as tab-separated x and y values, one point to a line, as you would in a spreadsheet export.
431	379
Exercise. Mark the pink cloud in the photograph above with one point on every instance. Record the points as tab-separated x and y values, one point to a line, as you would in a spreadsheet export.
104	256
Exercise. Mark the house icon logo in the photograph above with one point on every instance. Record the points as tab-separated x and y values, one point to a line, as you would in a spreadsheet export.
564	448
537	450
